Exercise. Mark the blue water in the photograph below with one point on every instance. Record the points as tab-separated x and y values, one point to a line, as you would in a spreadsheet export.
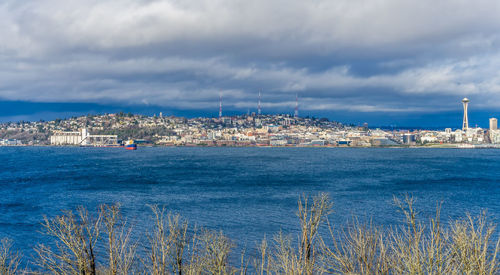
246	192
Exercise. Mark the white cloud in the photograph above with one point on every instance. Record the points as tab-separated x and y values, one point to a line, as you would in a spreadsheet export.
183	53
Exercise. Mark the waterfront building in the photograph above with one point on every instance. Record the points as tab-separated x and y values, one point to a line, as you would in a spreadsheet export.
495	136
278	142
10	142
409	139
82	137
458	135
474	135
67	138
383	142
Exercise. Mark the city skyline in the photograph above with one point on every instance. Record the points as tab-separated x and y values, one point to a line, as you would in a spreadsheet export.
243	130
439	120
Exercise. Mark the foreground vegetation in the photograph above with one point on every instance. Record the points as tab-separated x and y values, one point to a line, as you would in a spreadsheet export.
106	244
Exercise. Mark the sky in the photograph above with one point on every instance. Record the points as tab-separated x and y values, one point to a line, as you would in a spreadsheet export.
385	62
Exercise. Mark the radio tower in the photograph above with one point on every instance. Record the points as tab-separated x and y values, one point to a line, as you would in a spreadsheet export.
220	105
258	106
296	105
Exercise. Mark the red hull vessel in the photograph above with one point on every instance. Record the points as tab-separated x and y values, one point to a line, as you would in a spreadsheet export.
130	145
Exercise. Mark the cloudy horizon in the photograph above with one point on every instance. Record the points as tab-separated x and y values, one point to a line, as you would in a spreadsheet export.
377	61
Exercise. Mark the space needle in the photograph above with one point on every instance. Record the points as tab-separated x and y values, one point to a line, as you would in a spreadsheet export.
465	124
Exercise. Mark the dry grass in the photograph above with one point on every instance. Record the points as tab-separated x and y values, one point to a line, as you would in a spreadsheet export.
103	244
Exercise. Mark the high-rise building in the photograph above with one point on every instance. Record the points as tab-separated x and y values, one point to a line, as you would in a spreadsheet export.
465	124
493	123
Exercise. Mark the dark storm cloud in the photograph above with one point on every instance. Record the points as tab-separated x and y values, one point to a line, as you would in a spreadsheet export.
362	56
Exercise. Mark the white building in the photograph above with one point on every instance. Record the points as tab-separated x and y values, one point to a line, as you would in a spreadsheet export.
10	142
68	138
458	135
82	137
278	142
495	136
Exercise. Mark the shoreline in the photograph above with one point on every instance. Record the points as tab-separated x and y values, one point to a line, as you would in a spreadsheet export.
429	146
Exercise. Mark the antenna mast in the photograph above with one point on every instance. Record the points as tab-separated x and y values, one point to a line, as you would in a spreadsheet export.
220	105
258	107
296	105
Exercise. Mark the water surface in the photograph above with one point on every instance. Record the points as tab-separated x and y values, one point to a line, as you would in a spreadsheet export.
246	192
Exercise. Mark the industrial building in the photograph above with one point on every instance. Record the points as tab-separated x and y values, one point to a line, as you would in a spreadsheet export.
82	138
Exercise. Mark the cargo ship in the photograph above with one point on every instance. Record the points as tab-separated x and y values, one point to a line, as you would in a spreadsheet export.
130	145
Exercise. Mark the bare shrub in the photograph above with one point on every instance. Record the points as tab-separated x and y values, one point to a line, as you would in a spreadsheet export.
287	260
471	249
76	237
262	262
75	243
311	217
9	261
361	249
121	251
167	243
102	244
213	253
463	248
284	258
406	243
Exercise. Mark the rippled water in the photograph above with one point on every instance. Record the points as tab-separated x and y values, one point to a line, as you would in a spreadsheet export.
247	192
